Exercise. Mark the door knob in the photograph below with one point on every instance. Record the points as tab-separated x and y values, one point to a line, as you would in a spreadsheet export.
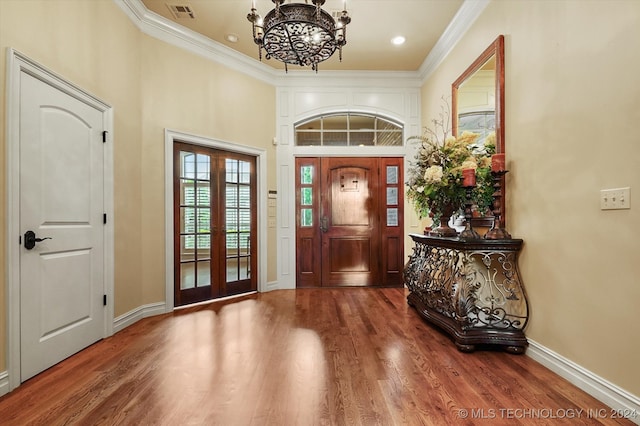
30	240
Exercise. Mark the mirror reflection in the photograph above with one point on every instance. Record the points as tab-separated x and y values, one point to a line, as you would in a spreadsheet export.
477	102
478	96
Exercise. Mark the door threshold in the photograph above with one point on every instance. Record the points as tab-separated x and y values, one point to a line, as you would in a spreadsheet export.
219	299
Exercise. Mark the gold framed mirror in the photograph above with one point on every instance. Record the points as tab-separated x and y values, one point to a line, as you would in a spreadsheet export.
477	102
477	96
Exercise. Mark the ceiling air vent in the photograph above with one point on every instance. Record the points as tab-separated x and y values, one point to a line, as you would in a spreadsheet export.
181	11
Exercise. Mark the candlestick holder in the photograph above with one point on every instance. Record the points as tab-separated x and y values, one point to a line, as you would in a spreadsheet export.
469	233
497	232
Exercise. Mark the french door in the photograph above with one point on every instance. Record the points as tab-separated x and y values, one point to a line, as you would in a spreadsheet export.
214	223
349	221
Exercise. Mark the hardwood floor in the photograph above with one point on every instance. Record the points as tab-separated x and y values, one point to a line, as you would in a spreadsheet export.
352	356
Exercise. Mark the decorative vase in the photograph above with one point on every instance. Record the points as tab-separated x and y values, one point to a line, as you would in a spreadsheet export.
444	230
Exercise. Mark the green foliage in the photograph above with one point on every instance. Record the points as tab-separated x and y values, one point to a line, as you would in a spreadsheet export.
435	175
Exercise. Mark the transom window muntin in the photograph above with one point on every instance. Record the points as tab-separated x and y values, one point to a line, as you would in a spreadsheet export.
349	129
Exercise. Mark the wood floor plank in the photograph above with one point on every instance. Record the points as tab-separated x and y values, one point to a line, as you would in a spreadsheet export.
348	356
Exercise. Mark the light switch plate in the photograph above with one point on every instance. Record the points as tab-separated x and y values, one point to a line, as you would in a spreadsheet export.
615	199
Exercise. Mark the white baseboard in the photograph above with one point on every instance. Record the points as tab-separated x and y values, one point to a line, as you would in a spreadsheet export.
4	382
144	311
601	389
273	285
135	315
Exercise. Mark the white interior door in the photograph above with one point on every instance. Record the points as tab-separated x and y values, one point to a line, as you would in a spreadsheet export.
61	198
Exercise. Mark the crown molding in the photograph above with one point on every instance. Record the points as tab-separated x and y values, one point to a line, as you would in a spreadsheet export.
168	31
459	25
159	27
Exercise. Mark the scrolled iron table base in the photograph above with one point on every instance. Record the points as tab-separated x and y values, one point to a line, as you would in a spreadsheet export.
471	289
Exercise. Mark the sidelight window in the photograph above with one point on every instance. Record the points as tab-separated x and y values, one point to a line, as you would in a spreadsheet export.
306	196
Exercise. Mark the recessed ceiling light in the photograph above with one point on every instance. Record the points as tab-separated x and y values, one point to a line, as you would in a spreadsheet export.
398	40
232	38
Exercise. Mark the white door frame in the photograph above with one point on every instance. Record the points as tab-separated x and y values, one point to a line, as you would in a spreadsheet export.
16	64
170	136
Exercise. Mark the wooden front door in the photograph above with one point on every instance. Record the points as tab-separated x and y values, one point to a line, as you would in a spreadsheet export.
214	223
349	222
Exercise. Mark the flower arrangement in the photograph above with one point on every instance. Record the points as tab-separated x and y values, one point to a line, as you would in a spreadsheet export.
435	182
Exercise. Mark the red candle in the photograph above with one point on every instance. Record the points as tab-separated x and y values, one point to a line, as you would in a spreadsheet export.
468	177
497	162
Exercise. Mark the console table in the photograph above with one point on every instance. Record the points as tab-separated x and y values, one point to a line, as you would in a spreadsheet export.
469	288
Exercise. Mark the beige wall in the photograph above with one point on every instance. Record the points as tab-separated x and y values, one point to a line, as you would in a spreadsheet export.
151	86
572	108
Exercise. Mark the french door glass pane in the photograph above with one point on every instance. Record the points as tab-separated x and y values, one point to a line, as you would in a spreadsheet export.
187	247
204	247
204	274
187	165
187	276
187	192
245	266
232	269
244	243
187	220
204	220
203	167
231	170
245	220
231	195
244	171
245	197
232	220
204	194
232	244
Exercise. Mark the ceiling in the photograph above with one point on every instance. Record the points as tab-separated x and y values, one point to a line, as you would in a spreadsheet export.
374	23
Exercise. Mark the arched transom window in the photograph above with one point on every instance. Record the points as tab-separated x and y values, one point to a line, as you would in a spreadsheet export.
348	129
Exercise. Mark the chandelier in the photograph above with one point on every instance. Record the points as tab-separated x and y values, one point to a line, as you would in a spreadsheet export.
299	33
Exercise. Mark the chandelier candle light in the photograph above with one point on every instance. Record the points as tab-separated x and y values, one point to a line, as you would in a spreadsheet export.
299	33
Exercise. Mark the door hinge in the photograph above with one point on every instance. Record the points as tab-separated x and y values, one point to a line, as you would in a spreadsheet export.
104	300
104	136
104	218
